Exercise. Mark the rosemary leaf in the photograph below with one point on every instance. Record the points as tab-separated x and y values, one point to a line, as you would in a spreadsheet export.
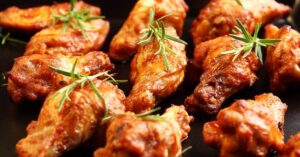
184	151
7	37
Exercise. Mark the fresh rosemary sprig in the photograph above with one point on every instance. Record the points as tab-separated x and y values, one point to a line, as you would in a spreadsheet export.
239	2
75	19
249	42
184	151
156	31
7	37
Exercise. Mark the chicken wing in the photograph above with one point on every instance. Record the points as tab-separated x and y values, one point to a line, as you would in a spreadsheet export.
57	131
124	43
38	18
248	127
69	42
283	60
32	79
128	135
292	147
222	76
152	82
219	17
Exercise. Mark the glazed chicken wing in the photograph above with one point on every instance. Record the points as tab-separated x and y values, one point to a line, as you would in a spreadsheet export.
152	82
282	61
124	43
128	135
222	76
248	127
69	42
32	79
292	147
38	18
57	131
219	17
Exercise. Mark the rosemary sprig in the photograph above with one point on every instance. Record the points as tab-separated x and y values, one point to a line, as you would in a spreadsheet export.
184	151
6	37
239	2
249	42
75	19
156	31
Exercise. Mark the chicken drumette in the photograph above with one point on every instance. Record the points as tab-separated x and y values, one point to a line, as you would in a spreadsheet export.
283	60
57	131
32	79
292	147
222	76
248	127
128	135
38	18
124	43
219	17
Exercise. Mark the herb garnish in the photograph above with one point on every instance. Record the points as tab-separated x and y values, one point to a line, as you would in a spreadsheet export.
7	37
75	19
156	30
184	151
249	42
239	2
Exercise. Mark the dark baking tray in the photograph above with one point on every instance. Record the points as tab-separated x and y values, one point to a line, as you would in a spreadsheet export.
14	118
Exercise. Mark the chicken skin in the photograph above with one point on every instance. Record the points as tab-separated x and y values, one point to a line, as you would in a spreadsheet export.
218	17
57	131
69	42
32	79
152	82
248	127
222	76
128	135
124	43
38	18
292	147
282	61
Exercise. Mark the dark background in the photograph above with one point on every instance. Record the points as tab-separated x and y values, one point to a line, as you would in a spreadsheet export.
15	117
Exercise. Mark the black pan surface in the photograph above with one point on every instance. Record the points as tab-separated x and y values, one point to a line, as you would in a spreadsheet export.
14	118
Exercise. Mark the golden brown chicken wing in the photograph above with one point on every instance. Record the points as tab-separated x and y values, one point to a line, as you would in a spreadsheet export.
248	127
282	61
292	147
32	79
219	17
57	131
152	82
38	18
222	76
69	42
128	135
124	43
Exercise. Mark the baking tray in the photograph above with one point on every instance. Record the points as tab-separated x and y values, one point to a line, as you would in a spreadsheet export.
14	118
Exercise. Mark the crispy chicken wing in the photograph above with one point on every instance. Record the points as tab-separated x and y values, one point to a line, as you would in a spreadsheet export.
32	79
124	43
38	18
248	127
152	82
219	17
283	60
57	131
292	147
70	42
222	76
128	135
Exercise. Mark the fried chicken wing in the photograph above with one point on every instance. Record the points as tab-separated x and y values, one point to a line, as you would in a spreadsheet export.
69	42
124	43
32	79
248	127
218	17
292	147
283	59
57	131
222	76
128	135
38	18
152	82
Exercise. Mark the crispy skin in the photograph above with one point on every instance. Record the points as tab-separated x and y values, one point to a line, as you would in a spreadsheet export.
129	136
124	43
38	18
219	17
292	147
248	127
151	80
71	42
56	132
32	79
283	60
222	77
